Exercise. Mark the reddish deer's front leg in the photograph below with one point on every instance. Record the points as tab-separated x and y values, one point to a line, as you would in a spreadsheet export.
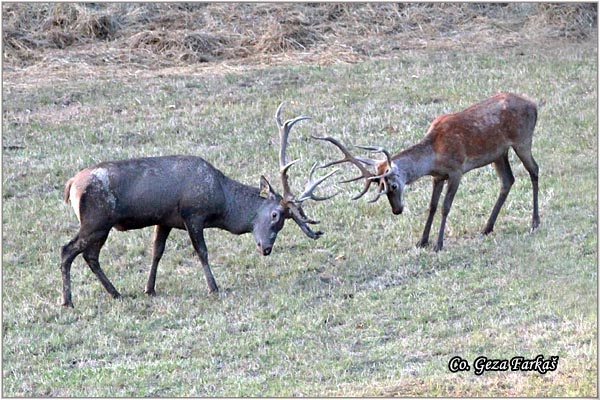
507	179
453	182
438	185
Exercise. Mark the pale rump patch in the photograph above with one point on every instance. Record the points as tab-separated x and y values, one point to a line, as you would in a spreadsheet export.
102	175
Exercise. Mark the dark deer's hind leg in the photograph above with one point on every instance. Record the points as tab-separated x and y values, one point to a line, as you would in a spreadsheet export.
82	243
90	255
67	254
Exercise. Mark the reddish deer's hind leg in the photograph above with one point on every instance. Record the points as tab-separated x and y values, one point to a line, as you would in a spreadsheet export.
524	154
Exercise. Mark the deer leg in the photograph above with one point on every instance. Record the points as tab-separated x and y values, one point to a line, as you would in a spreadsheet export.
502	167
79	244
453	182
90	256
438	185
67	255
524	154
161	233
196	233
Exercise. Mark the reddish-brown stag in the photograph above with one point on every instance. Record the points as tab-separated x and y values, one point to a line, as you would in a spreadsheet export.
455	144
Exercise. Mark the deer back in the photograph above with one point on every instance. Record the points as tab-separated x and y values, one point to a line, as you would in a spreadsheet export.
141	192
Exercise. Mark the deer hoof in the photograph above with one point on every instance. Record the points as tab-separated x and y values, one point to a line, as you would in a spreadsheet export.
213	290
534	225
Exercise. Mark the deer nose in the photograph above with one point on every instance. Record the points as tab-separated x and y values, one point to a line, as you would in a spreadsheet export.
397	210
264	250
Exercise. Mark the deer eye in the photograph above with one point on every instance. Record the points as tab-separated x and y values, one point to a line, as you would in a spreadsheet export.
274	216
394	186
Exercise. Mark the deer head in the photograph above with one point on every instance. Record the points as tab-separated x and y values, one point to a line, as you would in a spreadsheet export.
278	208
388	177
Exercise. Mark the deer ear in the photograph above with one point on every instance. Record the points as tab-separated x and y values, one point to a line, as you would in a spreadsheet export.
266	191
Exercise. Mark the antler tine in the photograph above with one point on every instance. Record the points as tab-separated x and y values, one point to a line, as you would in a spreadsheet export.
379	192
278	114
384	175
352	179
365	189
312	185
358	162
284	168
284	132
348	157
366	161
378	149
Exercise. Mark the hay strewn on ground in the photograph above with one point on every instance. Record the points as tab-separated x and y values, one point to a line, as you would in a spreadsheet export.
157	35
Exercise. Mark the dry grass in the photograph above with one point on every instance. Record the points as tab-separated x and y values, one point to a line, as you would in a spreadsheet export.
158	35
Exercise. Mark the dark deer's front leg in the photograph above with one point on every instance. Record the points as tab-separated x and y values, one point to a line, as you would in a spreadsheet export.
195	228
161	233
438	185
453	182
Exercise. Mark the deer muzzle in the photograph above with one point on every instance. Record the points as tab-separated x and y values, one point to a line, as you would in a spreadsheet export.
397	210
265	250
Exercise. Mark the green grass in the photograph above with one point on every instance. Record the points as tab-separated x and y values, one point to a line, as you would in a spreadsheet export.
361	311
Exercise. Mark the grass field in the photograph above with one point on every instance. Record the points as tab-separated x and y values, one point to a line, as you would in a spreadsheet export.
359	312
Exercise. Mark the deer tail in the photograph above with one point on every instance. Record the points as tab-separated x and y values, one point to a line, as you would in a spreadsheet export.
68	189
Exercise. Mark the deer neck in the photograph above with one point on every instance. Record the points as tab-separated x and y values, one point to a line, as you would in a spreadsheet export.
242	203
415	161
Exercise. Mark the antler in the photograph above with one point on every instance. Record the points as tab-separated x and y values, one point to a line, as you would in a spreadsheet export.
358	162
312	185
284	132
289	200
377	149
